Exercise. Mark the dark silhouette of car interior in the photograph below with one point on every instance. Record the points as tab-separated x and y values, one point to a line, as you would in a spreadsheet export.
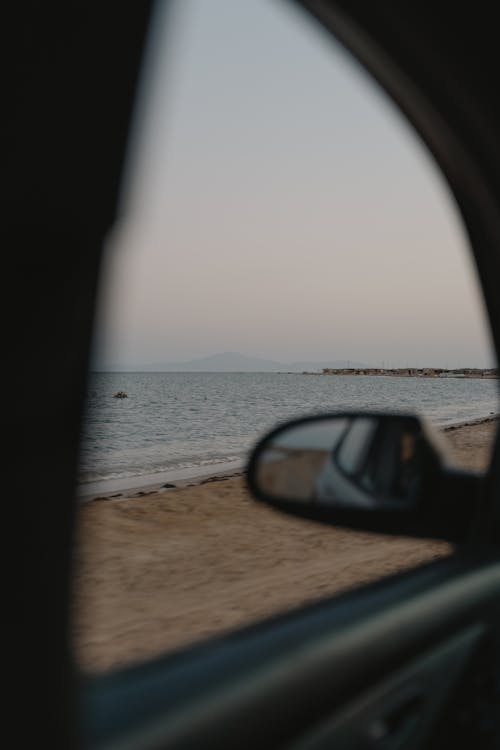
410	661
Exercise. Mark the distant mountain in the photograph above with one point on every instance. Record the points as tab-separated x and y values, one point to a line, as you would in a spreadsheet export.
236	362
226	362
335	364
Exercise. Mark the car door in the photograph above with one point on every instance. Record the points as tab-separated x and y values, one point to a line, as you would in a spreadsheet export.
410	661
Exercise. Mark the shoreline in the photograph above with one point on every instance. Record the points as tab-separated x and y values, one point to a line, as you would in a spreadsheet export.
412	372
137	487
471	422
151	484
396	375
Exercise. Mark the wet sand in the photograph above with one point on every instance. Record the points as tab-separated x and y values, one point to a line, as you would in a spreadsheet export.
167	568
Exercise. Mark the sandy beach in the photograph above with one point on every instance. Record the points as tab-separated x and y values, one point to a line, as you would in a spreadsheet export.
169	567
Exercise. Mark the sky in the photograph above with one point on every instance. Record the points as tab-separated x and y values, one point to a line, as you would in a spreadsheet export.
276	203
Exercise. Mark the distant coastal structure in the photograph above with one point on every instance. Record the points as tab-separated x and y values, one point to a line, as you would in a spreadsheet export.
414	372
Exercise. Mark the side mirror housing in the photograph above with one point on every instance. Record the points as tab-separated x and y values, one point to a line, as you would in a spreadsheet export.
377	472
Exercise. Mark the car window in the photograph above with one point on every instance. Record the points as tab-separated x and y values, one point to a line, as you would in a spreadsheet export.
284	246
354	447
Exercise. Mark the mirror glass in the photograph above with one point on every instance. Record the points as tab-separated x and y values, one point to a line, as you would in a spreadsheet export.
368	462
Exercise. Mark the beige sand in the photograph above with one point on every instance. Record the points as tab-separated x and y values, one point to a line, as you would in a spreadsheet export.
161	571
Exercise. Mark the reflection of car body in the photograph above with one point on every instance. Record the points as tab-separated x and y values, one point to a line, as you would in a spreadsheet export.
410	655
373	465
335	483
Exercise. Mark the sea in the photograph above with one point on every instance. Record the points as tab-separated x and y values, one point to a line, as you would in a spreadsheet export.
176	425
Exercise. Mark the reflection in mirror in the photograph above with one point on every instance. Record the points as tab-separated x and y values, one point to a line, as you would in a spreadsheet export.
364	462
293	458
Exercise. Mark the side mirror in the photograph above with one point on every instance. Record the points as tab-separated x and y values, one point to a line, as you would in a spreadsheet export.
379	472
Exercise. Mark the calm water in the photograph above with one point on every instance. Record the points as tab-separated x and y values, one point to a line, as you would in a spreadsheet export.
178	421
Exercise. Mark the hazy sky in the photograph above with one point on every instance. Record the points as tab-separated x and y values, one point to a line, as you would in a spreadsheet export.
278	205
